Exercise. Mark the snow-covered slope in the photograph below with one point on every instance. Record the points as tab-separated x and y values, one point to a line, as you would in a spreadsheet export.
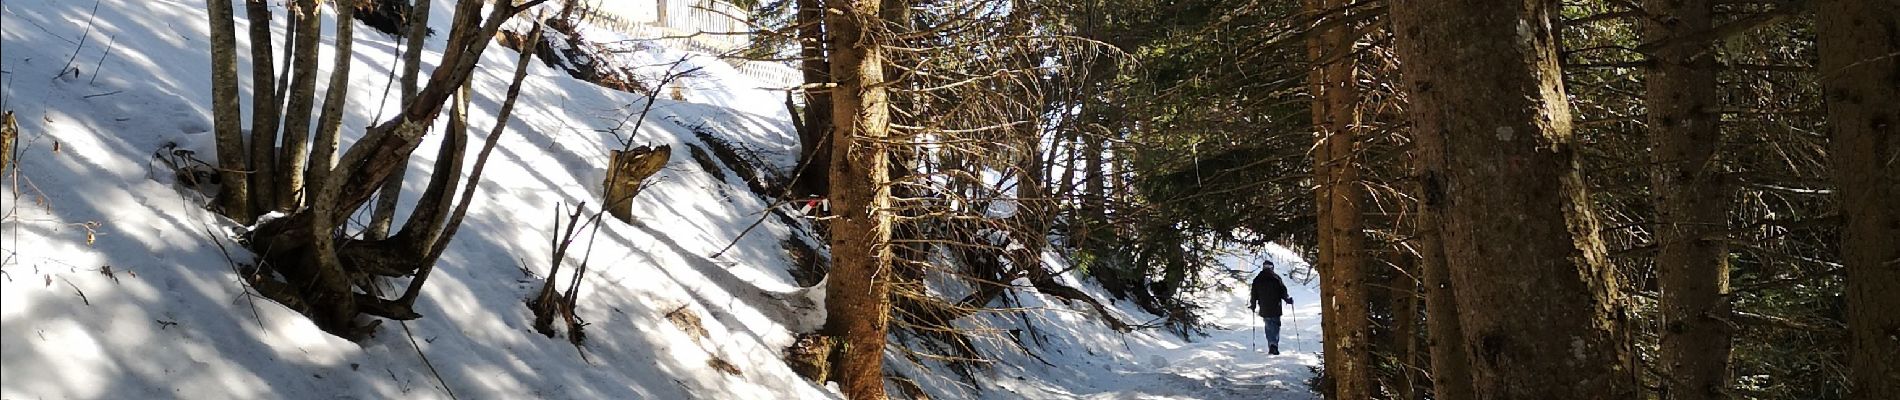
116	284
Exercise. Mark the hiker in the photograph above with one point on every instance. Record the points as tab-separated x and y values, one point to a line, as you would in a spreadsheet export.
1267	288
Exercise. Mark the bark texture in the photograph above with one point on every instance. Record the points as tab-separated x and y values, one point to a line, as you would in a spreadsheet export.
383	213
264	111
303	91
1860	79
323	271
859	291
627	174
9	133
1451	369
1538	300
227	119
1342	259
1692	203
323	147
1404	303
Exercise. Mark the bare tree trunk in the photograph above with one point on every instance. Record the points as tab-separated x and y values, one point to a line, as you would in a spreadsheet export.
264	109
1860	75
424	224
383	214
304	244
1405	324
303	91
859	305
227	119
390	143
1451	368
323	148
454	223
1094	194
815	153
1342	261
1542	314
1692	204
1331	356
1032	195
1093	130
281	93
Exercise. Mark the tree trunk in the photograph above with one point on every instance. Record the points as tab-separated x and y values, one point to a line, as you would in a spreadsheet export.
227	119
1404	303
1335	113
1692	204
1032	196
1451	368
264	110
859	302
383	214
815	149
1540	307
303	91
324	146
424	225
1860	77
1093	131
1094	194
322	267
282	92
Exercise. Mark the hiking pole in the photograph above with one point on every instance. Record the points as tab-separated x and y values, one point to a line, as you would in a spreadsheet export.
1256	336
1296	329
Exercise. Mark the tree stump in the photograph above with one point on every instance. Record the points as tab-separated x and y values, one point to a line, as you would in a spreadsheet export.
811	356
627	172
9	131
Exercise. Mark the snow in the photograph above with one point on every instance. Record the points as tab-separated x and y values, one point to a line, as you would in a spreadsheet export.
1089	361
117	284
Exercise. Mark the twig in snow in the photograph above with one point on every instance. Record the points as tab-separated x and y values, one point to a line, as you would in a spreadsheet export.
244	284
102	94
82	294
98	66
425	360
390	80
393	378
784	196
767	213
82	42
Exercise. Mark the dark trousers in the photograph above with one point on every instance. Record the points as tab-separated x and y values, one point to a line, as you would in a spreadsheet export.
1273	329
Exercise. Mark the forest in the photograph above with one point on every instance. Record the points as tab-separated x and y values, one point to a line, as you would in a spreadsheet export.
1494	199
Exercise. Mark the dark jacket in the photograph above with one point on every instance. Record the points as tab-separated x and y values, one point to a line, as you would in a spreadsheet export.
1267	289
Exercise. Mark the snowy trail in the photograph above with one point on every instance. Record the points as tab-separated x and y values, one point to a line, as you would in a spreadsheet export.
1227	364
1230	362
